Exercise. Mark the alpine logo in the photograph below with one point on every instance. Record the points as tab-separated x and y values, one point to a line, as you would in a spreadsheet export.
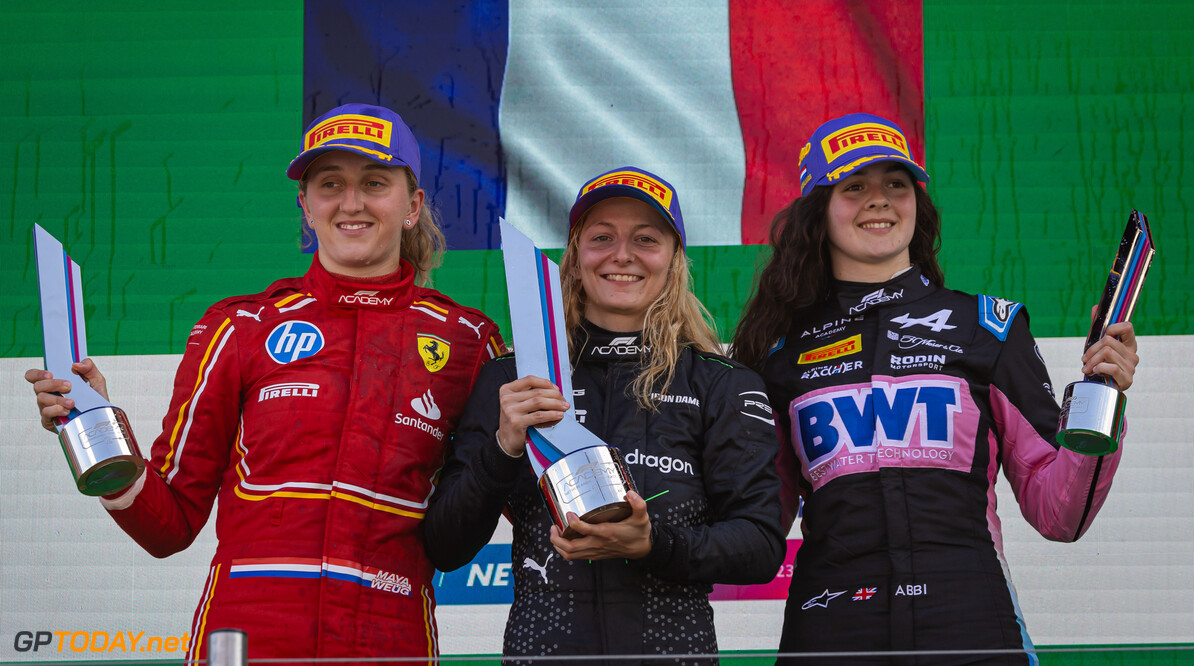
293	340
365	298
828	328
288	390
876	297
425	406
936	322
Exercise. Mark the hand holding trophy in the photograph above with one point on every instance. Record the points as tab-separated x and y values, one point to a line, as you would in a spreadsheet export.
1092	409
95	436
578	473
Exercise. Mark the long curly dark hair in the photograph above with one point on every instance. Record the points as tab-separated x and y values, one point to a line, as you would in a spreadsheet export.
798	274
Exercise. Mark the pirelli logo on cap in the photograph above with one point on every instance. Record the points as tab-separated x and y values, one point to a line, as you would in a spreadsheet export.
845	347
864	134
657	190
349	126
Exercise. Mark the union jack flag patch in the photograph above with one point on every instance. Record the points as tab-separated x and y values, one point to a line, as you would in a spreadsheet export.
864	593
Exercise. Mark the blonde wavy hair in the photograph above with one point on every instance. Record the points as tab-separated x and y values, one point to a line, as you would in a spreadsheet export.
676	319
423	245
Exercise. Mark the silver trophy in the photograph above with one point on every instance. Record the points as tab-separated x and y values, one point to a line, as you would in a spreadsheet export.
1092	410
96	437
591	483
578	473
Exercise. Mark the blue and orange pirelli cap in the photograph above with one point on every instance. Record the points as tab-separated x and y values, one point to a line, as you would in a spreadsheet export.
844	145
373	131
634	183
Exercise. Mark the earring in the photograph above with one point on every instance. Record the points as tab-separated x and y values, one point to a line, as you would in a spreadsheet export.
410	223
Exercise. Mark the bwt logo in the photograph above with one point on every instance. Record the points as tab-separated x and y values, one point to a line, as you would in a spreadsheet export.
293	340
861	419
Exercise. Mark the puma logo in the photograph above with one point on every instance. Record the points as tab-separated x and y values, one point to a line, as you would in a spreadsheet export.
476	327
528	563
246	313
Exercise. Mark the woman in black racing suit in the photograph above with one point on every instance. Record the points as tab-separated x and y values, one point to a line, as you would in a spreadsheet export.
898	401
693	427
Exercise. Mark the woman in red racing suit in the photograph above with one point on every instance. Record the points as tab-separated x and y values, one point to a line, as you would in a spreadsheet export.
897	402
317	412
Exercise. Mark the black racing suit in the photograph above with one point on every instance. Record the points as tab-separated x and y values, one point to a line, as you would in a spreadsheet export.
703	462
898	403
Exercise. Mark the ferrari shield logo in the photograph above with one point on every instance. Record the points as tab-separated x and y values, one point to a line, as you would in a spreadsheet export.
434	351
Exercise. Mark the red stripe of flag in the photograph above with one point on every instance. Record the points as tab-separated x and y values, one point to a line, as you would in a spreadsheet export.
798	63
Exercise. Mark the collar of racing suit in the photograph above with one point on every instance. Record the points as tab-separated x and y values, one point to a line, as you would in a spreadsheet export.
855	298
610	346
388	292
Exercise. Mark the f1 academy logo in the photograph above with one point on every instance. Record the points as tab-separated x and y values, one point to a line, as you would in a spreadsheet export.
622	346
876	297
363	297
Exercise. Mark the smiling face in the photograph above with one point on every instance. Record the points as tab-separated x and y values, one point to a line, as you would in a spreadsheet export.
624	249
871	217
358	209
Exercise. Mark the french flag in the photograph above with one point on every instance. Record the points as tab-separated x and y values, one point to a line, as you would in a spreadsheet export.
516	103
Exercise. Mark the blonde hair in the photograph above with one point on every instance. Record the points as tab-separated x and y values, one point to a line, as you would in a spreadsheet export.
676	319
422	246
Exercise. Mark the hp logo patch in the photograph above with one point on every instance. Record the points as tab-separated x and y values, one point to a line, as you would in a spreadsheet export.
293	340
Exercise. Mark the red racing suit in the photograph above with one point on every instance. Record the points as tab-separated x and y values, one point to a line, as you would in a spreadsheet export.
897	404
317	412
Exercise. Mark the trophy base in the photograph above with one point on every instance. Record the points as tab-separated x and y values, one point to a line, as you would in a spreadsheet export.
1091	418
591	483
101	450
